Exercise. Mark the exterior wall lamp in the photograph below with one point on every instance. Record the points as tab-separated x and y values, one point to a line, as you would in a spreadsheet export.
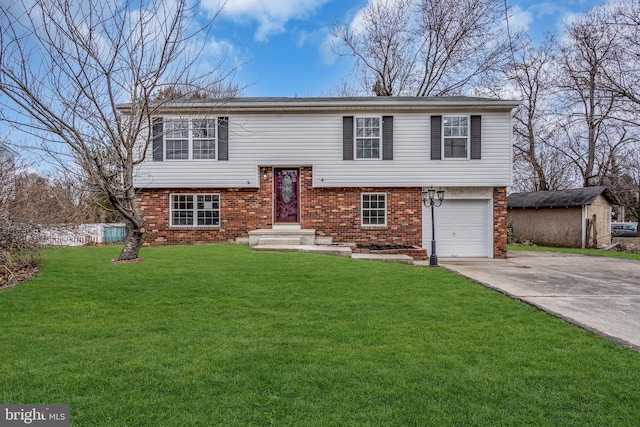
432	198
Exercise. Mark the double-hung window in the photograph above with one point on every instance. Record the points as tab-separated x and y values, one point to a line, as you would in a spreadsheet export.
455	141
368	137
190	139
374	209
176	139
195	210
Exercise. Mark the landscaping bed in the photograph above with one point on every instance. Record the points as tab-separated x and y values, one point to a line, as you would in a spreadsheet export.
415	252
11	275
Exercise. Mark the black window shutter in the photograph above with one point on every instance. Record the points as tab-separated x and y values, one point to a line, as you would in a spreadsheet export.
476	140
223	138
158	152
347	138
436	137
387	138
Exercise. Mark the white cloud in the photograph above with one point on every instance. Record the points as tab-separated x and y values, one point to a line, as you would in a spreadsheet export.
520	19
219	48
547	8
271	16
357	23
327	49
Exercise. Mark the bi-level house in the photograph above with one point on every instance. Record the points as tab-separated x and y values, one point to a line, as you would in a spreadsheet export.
349	168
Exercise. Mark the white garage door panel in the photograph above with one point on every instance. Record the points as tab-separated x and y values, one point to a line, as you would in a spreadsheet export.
461	228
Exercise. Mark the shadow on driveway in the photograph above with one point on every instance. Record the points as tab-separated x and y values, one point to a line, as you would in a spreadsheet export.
599	294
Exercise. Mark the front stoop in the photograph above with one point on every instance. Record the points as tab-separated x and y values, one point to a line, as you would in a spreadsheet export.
343	251
284	237
294	240
304	240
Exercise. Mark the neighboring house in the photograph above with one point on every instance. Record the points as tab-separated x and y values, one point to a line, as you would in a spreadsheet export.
350	168
576	218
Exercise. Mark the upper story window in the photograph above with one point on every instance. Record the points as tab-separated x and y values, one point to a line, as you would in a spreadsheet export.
455	141
193	139
368	135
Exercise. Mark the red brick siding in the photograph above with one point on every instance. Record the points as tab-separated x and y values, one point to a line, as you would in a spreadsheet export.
332	212
335	212
241	210
500	222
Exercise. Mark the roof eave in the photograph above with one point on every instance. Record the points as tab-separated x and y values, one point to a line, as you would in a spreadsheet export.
366	104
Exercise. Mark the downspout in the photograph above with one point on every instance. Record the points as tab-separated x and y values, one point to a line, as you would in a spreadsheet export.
584	226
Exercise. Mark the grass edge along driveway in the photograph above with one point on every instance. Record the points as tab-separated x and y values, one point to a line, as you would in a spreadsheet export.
220	335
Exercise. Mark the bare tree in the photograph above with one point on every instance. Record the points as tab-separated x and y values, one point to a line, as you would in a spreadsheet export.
533	76
424	47
593	130
65	65
221	90
623	76
18	242
623	179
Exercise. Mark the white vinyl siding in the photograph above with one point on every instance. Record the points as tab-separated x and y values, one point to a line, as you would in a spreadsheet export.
316	139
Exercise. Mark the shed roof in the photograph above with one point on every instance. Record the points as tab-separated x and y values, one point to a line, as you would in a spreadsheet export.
575	197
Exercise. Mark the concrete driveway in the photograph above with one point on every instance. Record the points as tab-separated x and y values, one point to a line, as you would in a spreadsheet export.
597	293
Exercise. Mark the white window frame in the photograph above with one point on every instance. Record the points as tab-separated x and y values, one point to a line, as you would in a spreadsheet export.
468	137
190	137
369	208
356	138
195	210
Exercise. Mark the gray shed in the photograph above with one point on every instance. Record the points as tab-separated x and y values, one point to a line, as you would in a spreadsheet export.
579	217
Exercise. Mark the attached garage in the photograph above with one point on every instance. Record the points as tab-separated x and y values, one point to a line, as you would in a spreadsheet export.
462	228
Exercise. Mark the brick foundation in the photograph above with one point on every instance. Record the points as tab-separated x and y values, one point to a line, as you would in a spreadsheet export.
332	212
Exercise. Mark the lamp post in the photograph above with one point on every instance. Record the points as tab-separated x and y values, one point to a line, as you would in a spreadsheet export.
432	198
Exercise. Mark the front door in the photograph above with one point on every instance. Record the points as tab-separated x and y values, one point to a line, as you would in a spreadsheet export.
287	196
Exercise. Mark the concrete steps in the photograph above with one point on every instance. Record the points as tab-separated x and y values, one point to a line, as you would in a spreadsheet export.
343	251
279	241
283	237
305	240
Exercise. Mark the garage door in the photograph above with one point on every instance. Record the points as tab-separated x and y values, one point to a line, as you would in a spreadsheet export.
462	228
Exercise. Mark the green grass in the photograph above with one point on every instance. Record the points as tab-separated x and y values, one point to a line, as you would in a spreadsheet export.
593	252
219	335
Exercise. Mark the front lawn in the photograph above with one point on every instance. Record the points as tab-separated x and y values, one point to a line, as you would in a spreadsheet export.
219	335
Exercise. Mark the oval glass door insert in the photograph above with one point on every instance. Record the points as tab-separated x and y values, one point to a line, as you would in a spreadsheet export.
287	189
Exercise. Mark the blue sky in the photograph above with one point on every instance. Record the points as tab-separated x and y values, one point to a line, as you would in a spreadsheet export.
285	43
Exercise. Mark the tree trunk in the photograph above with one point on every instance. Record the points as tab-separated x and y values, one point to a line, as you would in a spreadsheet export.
132	243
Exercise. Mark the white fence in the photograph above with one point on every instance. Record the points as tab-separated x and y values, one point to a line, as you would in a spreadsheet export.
81	234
